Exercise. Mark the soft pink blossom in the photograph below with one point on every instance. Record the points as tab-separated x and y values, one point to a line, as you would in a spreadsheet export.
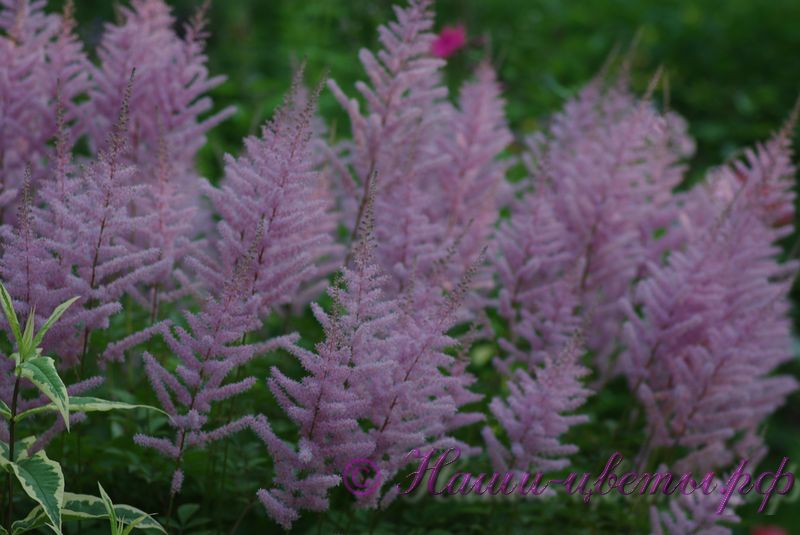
449	41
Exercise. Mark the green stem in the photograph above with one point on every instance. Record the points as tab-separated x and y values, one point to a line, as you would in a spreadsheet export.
11	430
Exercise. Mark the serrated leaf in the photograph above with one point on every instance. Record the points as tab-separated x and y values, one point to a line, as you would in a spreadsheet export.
88	404
86	507
42	480
10	313
57	313
41	371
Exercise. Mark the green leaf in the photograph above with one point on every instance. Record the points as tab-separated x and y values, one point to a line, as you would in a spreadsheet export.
35	519
41	371
109	505
26	348
42	480
133	525
57	313
87	404
11	315
86	507
5	411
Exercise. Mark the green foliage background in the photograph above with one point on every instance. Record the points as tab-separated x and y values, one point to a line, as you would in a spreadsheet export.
733	71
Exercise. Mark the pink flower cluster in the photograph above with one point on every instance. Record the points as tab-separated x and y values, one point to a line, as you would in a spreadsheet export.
601	268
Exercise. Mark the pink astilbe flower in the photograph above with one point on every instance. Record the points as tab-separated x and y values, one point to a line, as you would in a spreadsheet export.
170	113
449	41
169	98
538	411
607	166
170	224
207	353
380	367
38	283
327	405
713	324
763	179
395	138
472	186
418	399
273	184
431	165
40	56
538	283
88	229
695	514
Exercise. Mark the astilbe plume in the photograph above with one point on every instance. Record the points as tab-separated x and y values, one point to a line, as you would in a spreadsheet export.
166	108
40	56
329	254
272	184
713	321
395	139
694	514
326	405
419	399
207	353
539	409
37	284
537	284
605	168
379	366
90	231
471	186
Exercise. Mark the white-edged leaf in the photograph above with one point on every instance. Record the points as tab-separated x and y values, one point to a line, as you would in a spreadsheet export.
42	480
135	524
86	507
41	371
35	519
87	404
57	313
109	505
10	313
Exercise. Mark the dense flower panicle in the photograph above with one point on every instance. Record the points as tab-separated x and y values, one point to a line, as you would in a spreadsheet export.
329	254
538	296
379	367
421	395
273	184
431	165
207	353
91	232
713	324
608	164
327	405
764	178
33	276
472	186
395	138
40	57
168	107
168	229
538	411
695	514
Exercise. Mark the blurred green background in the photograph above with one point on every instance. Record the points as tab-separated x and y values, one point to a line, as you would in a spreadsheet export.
732	68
